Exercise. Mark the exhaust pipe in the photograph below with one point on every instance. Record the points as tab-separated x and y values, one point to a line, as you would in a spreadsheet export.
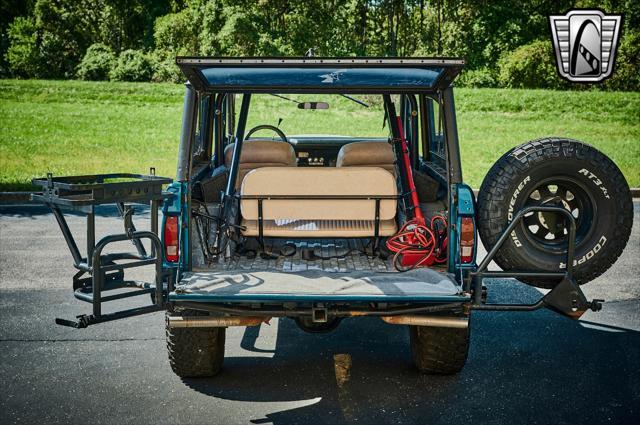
432	321
214	322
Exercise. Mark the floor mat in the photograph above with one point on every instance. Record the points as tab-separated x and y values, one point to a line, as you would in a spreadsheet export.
337	256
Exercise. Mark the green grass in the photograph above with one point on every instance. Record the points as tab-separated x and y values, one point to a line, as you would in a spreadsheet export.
74	127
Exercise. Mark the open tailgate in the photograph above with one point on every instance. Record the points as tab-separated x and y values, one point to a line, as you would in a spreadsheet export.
415	286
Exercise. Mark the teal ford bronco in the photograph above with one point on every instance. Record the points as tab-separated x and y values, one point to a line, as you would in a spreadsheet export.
319	227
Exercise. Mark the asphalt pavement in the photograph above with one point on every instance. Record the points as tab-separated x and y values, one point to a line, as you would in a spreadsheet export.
534	367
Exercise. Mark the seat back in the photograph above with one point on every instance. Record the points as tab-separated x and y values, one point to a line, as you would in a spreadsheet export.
367	154
319	217
260	153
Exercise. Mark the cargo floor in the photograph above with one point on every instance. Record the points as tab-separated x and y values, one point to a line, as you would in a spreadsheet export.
329	255
345	272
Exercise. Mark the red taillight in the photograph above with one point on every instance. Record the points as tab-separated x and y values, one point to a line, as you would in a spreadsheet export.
467	239
171	244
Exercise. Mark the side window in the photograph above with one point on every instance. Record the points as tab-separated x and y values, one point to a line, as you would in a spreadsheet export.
230	115
200	136
223	127
433	149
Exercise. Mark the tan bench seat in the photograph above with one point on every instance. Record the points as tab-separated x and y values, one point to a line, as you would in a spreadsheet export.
319	218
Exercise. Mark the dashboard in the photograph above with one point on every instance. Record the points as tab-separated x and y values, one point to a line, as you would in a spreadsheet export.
322	150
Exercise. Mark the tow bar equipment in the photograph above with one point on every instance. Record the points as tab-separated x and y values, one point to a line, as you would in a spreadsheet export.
101	275
417	243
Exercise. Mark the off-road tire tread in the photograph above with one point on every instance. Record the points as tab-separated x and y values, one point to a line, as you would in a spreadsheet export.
195	352
494	196
439	351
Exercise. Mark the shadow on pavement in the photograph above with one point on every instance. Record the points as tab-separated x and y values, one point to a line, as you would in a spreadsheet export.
539	366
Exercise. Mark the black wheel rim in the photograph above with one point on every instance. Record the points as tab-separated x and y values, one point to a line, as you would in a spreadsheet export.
550	231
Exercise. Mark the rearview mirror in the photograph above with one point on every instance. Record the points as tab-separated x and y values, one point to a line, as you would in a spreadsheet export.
313	105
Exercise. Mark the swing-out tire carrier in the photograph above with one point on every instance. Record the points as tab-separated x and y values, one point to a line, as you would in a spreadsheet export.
565	298
106	272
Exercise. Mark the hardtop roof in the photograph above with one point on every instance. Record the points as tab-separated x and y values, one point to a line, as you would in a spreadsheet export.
319	74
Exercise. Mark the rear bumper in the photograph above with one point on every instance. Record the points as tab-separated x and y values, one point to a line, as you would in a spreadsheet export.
226	321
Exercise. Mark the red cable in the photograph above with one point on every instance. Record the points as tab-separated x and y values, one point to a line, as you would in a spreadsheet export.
417	244
425	244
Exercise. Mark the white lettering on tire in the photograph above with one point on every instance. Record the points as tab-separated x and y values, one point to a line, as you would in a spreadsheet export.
589	255
596	181
512	203
515	239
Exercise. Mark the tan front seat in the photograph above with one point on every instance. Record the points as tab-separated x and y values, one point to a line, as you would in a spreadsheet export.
367	154
258	154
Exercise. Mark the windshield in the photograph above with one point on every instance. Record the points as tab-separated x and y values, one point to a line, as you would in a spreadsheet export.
344	116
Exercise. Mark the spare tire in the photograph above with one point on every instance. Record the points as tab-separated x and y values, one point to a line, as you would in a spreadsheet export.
564	173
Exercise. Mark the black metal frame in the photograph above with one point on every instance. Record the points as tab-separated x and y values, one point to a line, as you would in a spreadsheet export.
90	289
84	193
375	198
566	298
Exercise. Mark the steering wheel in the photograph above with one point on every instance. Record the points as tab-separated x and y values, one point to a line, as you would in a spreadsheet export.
267	127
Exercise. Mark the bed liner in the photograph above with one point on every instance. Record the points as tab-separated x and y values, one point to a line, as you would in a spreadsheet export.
419	285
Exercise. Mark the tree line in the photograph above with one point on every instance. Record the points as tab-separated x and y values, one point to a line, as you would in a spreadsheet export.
505	43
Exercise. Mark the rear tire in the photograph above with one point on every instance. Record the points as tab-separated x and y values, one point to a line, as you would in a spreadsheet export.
563	173
195	352
439	351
